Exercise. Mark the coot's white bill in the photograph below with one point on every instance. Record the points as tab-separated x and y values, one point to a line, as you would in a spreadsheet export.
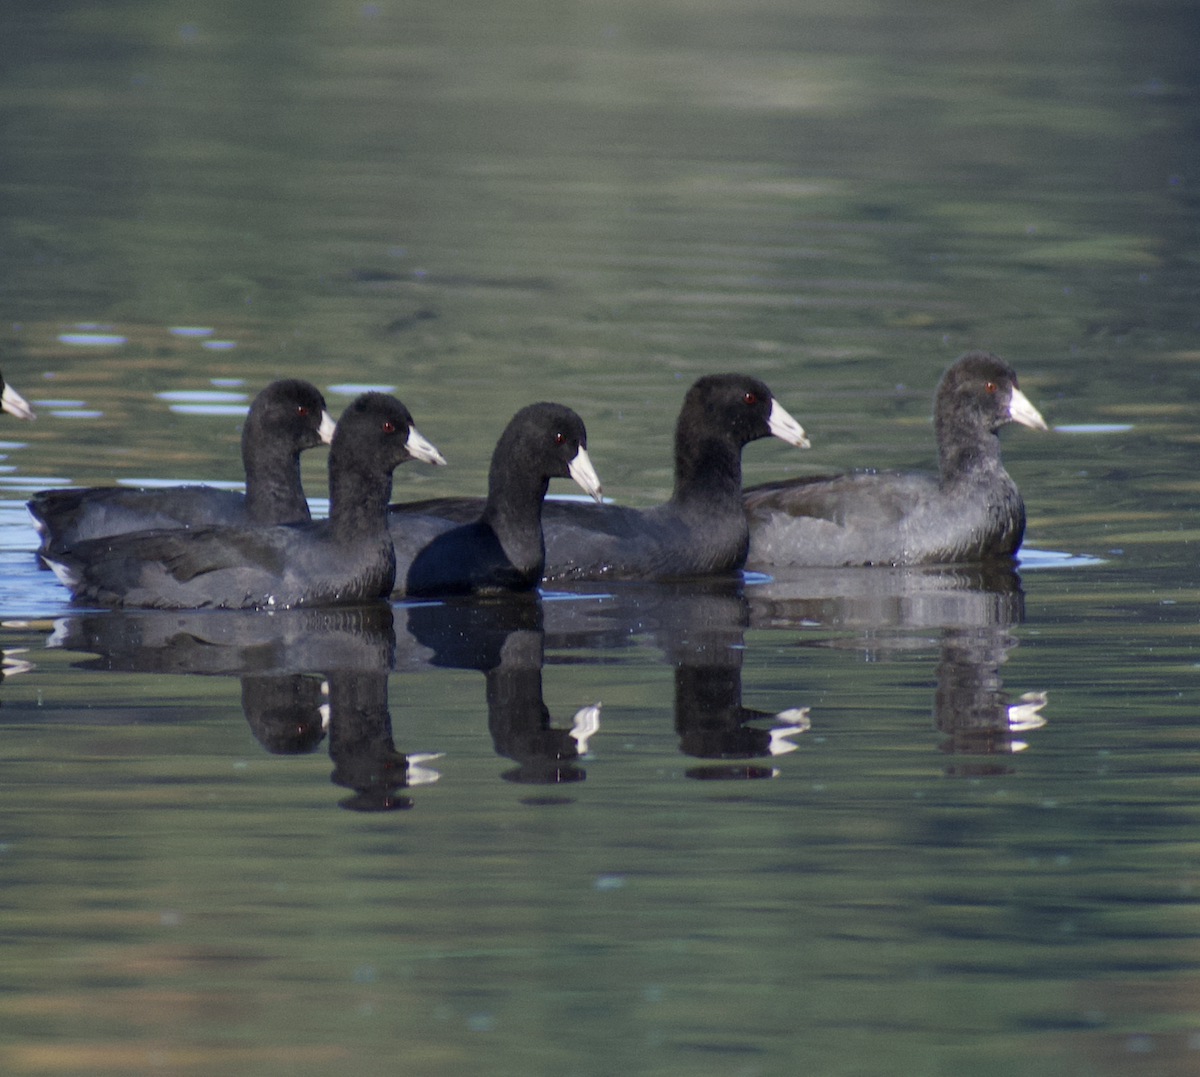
583	473
15	404
422	449
1023	412
783	426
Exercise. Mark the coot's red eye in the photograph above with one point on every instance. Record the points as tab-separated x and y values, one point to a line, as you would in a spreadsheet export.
989	386
301	411
750	398
389	427
560	439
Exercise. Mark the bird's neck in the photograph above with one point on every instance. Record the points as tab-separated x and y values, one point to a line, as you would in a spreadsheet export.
273	490
964	448
358	499
514	513
708	472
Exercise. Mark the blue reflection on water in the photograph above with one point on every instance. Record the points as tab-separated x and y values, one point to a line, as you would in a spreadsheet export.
1031	559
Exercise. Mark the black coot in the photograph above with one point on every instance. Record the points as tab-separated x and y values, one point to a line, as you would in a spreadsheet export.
700	531
346	558
286	418
970	511
502	550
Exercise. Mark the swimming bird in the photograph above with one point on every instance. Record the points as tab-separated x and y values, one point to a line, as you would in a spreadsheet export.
286	418
503	549
700	531
344	559
970	511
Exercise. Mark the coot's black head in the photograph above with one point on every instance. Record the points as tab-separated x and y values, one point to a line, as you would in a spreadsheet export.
545	441
980	390
737	407
290	412
12	402
377	430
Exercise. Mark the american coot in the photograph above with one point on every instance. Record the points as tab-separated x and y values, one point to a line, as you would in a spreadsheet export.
13	402
971	511
700	531
346	558
502	550
286	418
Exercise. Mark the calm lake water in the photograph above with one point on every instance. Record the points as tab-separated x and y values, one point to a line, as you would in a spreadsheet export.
861	822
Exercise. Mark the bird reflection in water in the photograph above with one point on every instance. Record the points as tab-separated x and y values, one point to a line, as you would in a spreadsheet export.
307	676
703	639
699	627
287	713
360	745
973	609
970	707
320	676
504	638
11	664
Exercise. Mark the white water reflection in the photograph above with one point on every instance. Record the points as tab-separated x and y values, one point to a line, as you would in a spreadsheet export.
205	402
356	388
1030	558
200	396
92	340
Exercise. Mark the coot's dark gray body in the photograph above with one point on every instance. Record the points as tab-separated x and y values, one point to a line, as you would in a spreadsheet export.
346	558
700	531
286	418
970	511
502	548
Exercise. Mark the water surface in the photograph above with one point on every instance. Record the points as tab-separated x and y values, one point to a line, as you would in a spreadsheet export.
869	821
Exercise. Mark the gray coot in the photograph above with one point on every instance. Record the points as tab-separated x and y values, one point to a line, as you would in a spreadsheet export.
970	511
346	558
286	418
13	402
502	550
700	531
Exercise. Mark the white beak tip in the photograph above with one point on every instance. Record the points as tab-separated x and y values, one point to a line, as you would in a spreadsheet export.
15	404
581	470
1020	410
783	426
422	449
